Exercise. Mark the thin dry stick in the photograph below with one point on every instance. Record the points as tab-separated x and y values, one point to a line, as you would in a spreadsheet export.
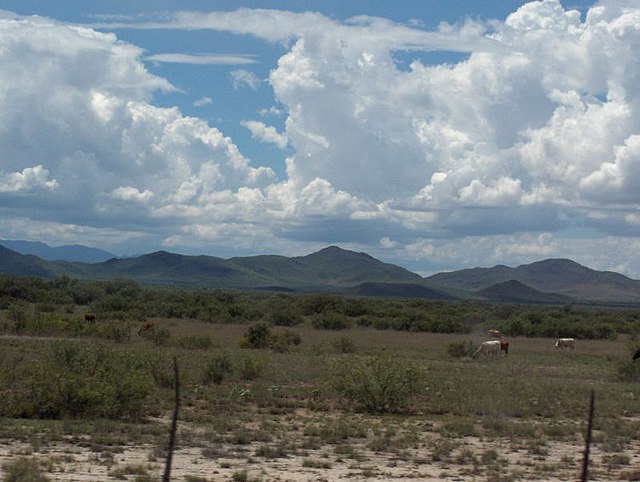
174	425
585	460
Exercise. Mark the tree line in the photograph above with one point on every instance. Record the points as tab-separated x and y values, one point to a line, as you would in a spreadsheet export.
30	301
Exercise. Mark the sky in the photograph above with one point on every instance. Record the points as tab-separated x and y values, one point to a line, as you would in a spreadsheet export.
433	135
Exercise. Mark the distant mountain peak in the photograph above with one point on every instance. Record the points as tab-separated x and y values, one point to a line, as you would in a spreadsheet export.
71	253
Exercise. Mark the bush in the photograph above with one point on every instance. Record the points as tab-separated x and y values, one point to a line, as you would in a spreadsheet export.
379	384
216	369
344	344
116	331
257	336
251	368
23	470
282	342
158	335
461	349
78	379
628	371
330	321
196	342
285	316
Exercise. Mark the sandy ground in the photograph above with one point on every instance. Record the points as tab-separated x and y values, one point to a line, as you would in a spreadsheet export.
77	461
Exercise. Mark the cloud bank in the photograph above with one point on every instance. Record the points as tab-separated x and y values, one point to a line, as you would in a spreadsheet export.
535	134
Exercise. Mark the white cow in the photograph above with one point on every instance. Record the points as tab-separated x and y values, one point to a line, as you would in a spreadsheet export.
495	334
566	343
488	348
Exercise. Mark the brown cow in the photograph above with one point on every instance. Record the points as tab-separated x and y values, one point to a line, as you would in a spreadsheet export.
504	346
90	317
146	327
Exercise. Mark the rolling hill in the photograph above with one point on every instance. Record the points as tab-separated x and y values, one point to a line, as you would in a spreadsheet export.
557	276
341	271
513	291
75	252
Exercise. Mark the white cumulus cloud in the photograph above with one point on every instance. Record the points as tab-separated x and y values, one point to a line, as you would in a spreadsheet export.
269	134
535	131
29	179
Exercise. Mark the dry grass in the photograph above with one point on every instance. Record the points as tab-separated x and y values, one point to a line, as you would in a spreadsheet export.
519	417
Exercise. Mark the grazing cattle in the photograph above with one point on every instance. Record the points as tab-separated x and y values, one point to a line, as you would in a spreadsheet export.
566	343
504	346
495	334
636	355
488	348
146	326
90	317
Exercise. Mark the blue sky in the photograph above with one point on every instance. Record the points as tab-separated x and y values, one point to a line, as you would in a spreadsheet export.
435	135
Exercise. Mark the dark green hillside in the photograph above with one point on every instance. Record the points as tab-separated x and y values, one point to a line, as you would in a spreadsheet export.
397	290
16	263
173	269
338	270
557	276
513	291
287	271
339	267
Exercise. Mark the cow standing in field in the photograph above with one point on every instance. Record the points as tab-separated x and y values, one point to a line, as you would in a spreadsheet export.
146	327
504	347
488	348
565	343
636	355
90	317
495	334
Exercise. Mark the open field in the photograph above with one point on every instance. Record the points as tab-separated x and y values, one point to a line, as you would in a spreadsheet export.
307	387
275	413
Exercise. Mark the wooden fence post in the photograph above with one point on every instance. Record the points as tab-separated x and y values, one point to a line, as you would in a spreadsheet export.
174	425
585	461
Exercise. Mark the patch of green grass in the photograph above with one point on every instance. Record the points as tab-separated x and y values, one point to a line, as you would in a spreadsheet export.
316	464
23	469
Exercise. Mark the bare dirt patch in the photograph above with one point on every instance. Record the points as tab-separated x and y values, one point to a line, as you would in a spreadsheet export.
293	456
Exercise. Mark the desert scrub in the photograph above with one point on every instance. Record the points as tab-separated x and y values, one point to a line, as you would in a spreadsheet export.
461	349
195	342
78	379
330	321
628	371
23	469
344	344
257	336
380	384
216	369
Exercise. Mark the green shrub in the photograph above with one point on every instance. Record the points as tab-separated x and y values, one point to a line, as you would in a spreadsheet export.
330	321
379	384
23	469
196	342
18	315
257	336
282	341
116	331
216	369
250	368
461	349
628	371
78	379
344	344
285	316
159	336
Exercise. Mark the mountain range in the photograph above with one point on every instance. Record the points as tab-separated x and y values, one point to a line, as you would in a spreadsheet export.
74	252
336	270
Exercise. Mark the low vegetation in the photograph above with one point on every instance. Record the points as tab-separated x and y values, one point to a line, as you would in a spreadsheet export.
333	382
